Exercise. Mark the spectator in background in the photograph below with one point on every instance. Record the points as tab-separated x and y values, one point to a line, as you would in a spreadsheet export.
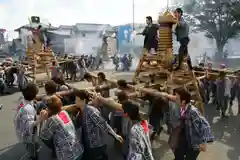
56	71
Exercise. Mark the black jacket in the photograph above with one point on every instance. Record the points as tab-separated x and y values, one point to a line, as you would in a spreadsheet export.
150	33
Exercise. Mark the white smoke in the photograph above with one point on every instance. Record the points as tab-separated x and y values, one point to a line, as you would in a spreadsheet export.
86	44
25	35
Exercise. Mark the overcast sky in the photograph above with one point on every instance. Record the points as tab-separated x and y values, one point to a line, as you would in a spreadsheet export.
14	13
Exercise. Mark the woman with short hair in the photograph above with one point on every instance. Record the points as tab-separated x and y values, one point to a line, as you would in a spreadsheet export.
58	132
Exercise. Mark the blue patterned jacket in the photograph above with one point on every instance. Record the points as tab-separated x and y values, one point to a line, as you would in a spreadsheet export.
198	128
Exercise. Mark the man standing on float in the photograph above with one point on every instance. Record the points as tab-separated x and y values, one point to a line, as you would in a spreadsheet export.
182	34
151	36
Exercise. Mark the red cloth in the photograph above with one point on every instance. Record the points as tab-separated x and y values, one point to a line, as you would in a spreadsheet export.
144	124
63	117
21	105
183	111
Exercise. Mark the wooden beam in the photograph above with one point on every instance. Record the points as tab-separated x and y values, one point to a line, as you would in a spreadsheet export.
108	102
113	82
70	91
216	70
214	74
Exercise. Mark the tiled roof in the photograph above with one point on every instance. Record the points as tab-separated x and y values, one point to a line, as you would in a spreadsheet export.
35	25
66	27
61	32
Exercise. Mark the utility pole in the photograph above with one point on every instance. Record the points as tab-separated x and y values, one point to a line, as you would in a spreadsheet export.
133	20
167	5
133	14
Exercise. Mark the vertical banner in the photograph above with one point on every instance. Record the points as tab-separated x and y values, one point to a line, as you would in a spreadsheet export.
124	36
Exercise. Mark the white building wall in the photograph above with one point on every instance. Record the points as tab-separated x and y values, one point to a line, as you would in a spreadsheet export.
83	45
25	35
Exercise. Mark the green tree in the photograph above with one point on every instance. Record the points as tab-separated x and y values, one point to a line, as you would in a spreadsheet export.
220	19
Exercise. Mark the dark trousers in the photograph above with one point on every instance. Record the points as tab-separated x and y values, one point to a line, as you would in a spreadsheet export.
183	152
32	150
90	157
96	154
73	75
213	89
118	124
155	122
183	51
222	104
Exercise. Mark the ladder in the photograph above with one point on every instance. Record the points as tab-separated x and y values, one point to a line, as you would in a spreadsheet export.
184	77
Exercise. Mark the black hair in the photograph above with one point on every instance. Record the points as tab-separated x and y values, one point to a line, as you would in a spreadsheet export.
102	75
149	18
160	102
40	26
122	83
179	10
122	96
30	92
184	94
87	76
53	63
59	81
50	87
132	110
82	94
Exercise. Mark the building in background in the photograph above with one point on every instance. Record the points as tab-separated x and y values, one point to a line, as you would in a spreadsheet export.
87	38
2	38
92	30
57	38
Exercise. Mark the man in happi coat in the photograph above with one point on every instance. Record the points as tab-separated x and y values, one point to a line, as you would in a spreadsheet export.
26	121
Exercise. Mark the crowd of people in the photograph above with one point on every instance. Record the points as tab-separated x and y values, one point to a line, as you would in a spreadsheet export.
124	63
221	91
73	124
74	69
